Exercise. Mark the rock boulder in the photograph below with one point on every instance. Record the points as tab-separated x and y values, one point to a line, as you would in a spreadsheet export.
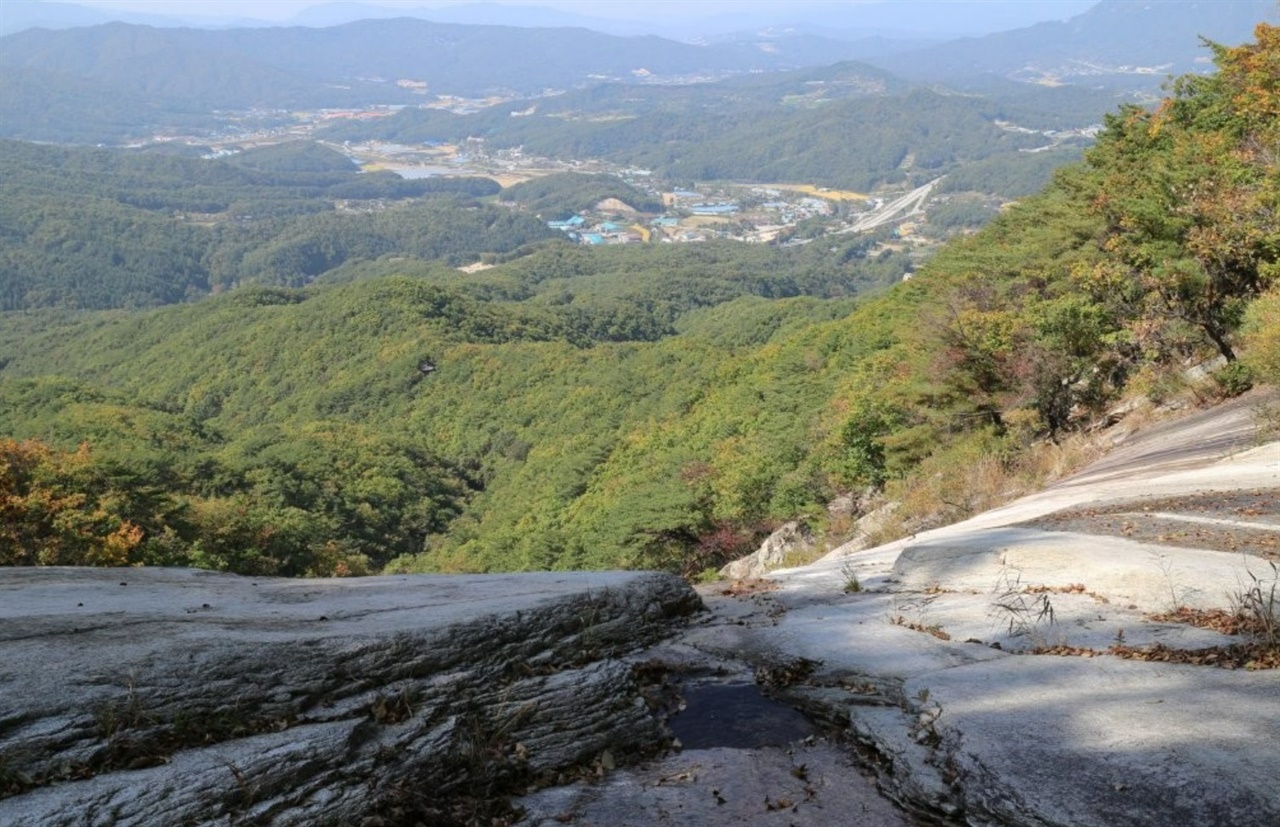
791	537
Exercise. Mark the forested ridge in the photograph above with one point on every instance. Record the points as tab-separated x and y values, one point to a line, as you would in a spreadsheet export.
118	82
303	67
845	126
652	406
559	196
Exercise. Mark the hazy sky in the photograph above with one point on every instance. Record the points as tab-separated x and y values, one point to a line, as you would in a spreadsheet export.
284	9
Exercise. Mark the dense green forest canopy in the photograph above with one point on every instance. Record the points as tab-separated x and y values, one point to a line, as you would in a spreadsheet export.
44	105
294	156
537	366
653	406
95	228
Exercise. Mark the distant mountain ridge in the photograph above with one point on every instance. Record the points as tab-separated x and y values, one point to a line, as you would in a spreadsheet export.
856	19
299	66
90	84
117	82
20	15
1117	43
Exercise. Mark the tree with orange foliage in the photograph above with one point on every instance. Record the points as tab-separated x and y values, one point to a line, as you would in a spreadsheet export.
55	511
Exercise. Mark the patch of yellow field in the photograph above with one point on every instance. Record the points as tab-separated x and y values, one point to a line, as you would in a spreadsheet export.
509	179
822	192
642	230
704	221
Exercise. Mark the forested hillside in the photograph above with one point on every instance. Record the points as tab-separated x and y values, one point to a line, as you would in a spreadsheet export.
509	375
845	126
97	229
560	196
651	406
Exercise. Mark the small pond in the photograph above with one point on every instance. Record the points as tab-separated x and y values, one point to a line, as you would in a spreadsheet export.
736	715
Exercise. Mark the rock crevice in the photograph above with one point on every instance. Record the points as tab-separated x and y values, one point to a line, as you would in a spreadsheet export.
305	702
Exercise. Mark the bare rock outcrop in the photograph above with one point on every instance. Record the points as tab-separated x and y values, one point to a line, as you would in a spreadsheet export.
156	696
791	537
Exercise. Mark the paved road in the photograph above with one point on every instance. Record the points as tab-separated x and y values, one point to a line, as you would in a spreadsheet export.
901	207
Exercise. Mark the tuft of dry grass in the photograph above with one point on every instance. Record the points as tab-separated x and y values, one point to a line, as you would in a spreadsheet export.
958	484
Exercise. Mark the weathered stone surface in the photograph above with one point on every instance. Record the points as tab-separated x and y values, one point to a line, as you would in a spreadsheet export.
791	537
1117	569
1000	736
151	696
1047	740
811	785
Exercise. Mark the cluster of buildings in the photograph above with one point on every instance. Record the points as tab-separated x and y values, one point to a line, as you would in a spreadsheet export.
697	216
582	231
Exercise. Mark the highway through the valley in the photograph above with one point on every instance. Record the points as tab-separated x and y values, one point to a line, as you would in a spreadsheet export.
901	207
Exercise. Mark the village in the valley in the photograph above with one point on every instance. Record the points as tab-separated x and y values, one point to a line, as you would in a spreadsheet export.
789	214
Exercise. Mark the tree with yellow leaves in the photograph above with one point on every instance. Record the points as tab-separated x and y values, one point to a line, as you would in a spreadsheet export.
54	511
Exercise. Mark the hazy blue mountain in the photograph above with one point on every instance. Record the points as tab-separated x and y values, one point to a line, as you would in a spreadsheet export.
451	58
473	14
182	68
906	20
893	19
814	48
901	19
1119	43
19	15
91	84
198	70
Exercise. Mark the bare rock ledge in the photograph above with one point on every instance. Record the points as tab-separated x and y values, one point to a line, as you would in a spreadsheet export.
179	697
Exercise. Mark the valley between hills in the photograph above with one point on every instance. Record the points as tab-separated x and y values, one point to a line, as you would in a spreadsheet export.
756	438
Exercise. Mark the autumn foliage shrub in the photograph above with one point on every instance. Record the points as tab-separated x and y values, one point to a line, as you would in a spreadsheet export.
58	509
1262	337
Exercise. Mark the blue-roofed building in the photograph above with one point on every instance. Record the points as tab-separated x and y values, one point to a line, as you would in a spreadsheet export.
592	238
610	227
568	224
713	209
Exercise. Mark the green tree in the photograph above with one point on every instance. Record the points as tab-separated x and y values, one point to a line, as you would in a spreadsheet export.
1190	194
